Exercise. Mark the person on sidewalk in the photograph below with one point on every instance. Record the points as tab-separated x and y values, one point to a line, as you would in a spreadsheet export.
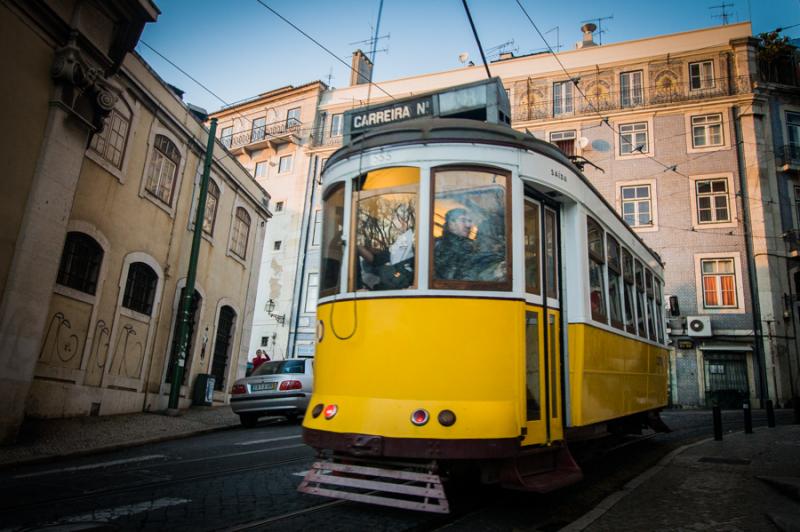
261	357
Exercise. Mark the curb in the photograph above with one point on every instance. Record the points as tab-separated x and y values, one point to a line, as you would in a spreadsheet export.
112	447
608	503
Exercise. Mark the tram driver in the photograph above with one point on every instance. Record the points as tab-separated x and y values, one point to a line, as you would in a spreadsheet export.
457	254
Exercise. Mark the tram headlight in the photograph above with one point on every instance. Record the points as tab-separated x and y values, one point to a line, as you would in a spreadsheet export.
447	418
420	417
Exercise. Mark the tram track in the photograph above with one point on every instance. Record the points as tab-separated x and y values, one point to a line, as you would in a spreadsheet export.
159	484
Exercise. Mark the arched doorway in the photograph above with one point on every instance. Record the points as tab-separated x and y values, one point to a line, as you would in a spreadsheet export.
222	346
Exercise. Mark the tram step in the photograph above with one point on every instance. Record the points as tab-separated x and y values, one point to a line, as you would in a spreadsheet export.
541	472
401	486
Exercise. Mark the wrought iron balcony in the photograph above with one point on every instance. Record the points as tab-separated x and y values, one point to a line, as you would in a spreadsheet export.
598	100
328	140
259	137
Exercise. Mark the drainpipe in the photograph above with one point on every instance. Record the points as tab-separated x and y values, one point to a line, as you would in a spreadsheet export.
758	344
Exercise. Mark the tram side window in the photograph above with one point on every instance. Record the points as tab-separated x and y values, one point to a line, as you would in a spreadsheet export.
614	282
596	281
385	206
470	231
332	243
628	291
640	308
532	249
551	254
659	311
651	322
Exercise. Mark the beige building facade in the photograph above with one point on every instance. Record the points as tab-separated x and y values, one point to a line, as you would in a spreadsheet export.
105	166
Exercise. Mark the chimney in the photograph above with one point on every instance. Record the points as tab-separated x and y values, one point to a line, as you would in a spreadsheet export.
588	38
362	69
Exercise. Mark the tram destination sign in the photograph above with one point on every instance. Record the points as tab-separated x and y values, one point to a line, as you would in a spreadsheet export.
389	114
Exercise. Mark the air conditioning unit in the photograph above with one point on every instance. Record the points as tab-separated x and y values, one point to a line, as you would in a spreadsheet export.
699	326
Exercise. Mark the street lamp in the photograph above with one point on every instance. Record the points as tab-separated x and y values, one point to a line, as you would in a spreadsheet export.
280	318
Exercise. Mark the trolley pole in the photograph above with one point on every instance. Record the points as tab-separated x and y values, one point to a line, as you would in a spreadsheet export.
185	306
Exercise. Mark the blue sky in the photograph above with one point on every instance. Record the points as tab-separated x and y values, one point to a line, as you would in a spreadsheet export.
238	49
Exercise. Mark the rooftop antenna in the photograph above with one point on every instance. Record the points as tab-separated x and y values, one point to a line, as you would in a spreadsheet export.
330	77
557	47
600	31
371	45
723	14
500	49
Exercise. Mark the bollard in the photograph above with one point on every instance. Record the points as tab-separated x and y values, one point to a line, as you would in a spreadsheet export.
717	423
796	407
748	419
770	414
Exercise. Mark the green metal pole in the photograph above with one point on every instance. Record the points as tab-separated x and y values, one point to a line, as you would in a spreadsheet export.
185	307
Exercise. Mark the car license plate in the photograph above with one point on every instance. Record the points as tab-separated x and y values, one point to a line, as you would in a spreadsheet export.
260	387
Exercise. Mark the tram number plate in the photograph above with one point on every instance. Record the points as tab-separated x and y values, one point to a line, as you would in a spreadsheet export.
262	386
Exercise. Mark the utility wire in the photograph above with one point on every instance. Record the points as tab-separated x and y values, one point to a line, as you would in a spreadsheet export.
477	39
312	39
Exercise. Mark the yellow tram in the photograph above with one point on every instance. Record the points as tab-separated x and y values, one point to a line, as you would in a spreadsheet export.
480	304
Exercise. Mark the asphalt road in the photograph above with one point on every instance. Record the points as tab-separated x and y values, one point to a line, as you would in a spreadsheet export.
246	479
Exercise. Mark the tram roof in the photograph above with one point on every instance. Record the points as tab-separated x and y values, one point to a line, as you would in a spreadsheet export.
461	130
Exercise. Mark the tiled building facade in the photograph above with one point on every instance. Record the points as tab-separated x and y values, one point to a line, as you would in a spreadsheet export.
689	138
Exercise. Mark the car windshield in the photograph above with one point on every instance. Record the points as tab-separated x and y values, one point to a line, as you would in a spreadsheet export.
280	367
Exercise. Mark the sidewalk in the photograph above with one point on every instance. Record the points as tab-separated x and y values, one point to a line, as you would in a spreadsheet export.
41	440
747	482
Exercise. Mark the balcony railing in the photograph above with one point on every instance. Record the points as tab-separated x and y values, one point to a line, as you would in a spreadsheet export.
328	140
789	157
277	133
666	92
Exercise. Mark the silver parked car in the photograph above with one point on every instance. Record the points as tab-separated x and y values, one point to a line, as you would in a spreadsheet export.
280	387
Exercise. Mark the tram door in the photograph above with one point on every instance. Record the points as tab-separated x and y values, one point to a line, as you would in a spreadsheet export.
542	325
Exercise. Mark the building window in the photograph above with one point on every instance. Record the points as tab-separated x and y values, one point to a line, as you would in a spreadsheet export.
163	169
597	258
707	130
80	263
259	129
315	239
630	89
261	169
712	201
110	143
562	98
312	291
241	232
140	288
637	205
293	117
285	164
565	140
226	135
276	245
793	127
797	207
719	283
279	207
336	125
701	75
210	214
633	138
264	341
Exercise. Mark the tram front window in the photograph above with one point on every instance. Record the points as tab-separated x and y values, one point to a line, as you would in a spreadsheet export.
385	204
469	232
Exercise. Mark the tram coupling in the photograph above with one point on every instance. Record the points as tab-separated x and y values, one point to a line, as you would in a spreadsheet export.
399	484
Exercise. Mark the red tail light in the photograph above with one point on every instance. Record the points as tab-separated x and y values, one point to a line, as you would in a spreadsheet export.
238	388
290	385
420	417
330	411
